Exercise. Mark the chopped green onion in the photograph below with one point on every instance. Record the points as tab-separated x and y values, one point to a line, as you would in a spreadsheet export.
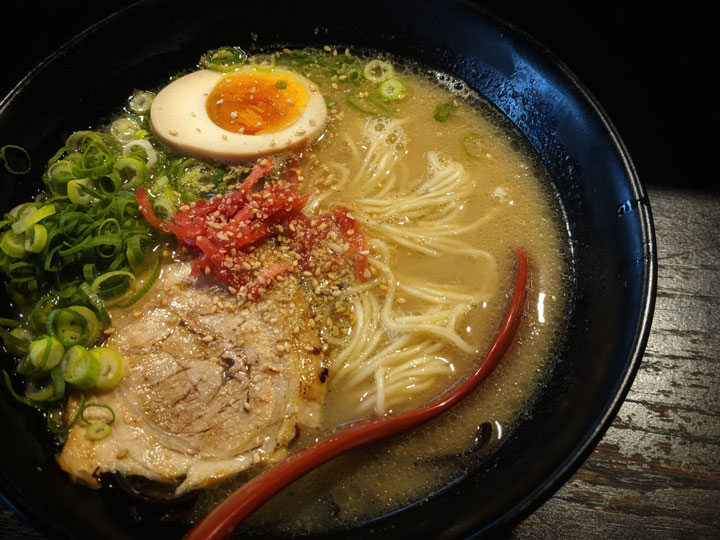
35	238
360	107
22	272
150	153
164	209
224	59
473	144
132	171
97	303
80	368
263	62
75	140
381	104
20	210
45	353
378	70
55	417
391	88
281	84
134	253
442	112
124	128
105	406
92	323
13	245
114	287
30	218
97	431
69	326
52	390
141	101
78	191
16	340
8	323
149	281
25	156
42	309
109	183
354	75
112	367
13	393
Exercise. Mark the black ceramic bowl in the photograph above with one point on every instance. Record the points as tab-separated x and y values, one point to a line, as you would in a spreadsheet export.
608	219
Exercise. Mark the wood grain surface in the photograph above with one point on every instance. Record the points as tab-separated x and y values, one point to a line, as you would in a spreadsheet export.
656	473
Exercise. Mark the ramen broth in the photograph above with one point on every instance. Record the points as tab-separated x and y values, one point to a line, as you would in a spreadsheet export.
510	186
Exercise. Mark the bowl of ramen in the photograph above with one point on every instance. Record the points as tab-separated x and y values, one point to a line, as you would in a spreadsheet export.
242	235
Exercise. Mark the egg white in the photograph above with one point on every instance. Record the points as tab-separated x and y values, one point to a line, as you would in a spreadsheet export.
179	119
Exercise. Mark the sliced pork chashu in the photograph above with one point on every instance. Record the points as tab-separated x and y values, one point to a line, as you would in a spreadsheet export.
209	389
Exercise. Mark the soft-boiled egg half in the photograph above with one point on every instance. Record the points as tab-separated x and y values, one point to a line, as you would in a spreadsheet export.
240	115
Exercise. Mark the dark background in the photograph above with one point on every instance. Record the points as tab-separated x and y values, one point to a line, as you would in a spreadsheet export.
649	67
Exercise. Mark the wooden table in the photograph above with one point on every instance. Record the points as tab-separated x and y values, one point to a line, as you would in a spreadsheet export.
656	473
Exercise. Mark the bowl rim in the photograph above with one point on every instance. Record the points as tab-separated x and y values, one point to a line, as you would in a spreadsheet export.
595	433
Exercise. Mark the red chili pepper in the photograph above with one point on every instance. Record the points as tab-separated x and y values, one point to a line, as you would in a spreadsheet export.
357	240
146	208
257	172
266	276
233	510
242	218
214	258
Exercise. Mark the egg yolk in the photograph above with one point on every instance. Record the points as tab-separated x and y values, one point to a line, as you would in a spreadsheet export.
255	103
